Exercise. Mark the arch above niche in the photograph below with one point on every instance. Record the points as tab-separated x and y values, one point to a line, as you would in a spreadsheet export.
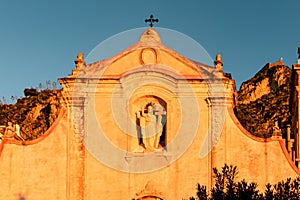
149	198
144	100
149	193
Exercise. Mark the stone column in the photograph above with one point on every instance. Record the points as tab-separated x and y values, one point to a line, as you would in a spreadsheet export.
75	150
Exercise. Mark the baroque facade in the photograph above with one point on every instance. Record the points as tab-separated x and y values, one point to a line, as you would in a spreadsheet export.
146	123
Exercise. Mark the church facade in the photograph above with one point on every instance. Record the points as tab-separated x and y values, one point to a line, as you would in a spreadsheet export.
146	123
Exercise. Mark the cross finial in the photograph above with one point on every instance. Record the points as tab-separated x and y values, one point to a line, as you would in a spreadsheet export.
151	20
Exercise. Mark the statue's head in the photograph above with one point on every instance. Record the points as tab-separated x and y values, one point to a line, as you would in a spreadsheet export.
150	109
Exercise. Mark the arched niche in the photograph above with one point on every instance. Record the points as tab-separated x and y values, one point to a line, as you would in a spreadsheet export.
149	198
149	193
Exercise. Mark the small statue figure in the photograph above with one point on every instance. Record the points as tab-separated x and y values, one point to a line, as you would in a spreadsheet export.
79	60
18	135
276	130
218	57
218	62
150	127
9	131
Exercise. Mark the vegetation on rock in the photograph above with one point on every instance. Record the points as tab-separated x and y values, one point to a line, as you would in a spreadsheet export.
35	112
264	99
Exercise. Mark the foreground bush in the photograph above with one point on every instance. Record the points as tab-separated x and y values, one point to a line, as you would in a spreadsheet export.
226	188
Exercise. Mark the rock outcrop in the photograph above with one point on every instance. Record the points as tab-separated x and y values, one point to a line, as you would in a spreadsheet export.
35	113
263	100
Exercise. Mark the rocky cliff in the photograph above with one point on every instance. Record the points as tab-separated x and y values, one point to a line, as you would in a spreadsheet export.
35	112
264	100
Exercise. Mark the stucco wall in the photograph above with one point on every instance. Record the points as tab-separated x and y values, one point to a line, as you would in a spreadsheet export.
37	169
41	170
259	160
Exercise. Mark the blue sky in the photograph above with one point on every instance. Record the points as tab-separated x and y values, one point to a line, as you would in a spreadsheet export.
39	40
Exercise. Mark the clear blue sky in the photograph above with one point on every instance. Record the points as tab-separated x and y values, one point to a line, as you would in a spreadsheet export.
40	39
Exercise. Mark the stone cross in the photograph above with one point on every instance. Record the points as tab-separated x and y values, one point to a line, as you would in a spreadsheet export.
160	113
159	110
151	20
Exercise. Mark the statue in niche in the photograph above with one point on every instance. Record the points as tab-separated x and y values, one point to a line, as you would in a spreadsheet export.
150	126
